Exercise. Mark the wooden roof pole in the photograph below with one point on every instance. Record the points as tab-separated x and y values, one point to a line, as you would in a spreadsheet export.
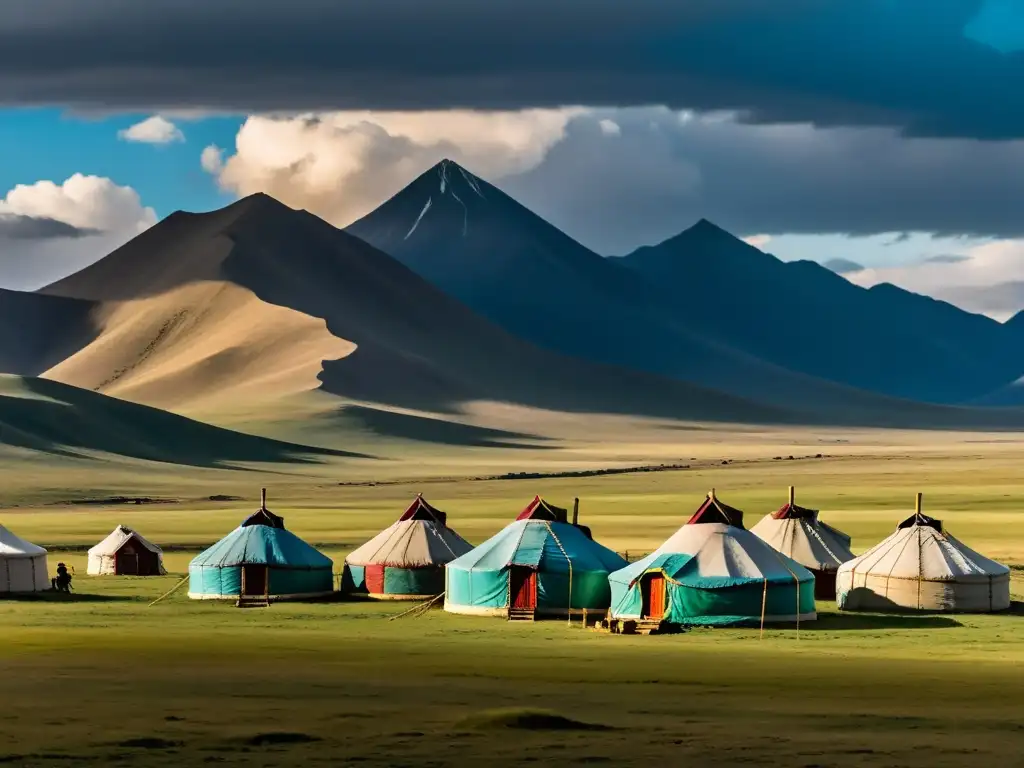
792	495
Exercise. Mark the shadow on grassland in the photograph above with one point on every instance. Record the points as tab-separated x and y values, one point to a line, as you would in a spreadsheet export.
852	622
58	419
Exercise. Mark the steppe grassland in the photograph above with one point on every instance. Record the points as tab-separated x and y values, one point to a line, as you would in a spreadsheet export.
181	682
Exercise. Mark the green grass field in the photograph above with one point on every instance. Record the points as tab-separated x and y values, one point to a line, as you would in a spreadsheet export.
105	677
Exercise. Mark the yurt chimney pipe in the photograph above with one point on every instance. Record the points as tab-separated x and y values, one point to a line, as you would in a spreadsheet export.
576	511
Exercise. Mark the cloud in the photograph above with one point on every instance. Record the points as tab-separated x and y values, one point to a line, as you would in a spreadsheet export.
758	241
18	227
987	279
212	159
841	62
153	130
842	266
947	258
49	230
663	171
609	127
341	165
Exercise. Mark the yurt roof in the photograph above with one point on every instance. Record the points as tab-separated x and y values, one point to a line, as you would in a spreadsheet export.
412	542
118	538
808	540
539	509
420	509
713	510
541	545
262	545
264	517
12	545
793	511
715	555
922	551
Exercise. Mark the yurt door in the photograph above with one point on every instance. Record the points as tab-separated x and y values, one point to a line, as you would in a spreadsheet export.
127	561
652	589
254	579
522	583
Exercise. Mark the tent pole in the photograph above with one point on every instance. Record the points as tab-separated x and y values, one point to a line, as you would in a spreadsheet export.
792	495
263	499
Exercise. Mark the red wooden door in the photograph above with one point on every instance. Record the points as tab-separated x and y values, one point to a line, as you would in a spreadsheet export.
652	589
254	579
523	587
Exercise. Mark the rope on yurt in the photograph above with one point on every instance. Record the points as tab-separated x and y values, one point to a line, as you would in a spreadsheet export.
569	561
796	581
172	590
418	609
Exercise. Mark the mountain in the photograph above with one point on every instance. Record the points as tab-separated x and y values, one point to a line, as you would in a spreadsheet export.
57	419
802	316
480	246
703	306
259	302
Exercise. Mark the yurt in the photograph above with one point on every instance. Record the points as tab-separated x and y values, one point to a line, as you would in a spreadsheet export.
126	553
260	559
538	565
922	567
713	571
22	565
406	560
799	534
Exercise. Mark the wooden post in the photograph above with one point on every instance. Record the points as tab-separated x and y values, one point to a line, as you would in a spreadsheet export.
917	507
792	495
712	494
263	498
575	511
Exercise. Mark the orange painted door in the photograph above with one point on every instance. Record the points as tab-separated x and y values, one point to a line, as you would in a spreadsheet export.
653	591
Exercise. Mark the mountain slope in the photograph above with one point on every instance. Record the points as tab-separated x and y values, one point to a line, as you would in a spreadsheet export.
393	338
37	331
55	418
802	316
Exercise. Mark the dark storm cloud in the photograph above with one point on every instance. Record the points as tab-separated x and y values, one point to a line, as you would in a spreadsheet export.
902	63
661	173
18	227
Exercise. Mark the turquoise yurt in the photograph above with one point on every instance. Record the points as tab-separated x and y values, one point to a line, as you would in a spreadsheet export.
713	571
260	559
538	565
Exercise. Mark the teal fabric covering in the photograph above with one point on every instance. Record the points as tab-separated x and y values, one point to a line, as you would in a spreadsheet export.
227	580
414	581
294	566
480	578
353	579
709	600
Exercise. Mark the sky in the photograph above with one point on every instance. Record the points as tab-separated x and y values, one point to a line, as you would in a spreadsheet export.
882	137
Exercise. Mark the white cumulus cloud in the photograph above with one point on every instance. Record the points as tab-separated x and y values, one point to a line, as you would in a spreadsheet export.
108	213
153	130
340	165
212	159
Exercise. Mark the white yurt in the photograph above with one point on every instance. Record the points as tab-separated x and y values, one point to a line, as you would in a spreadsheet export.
922	567
126	553
798	533
713	571
22	565
405	561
